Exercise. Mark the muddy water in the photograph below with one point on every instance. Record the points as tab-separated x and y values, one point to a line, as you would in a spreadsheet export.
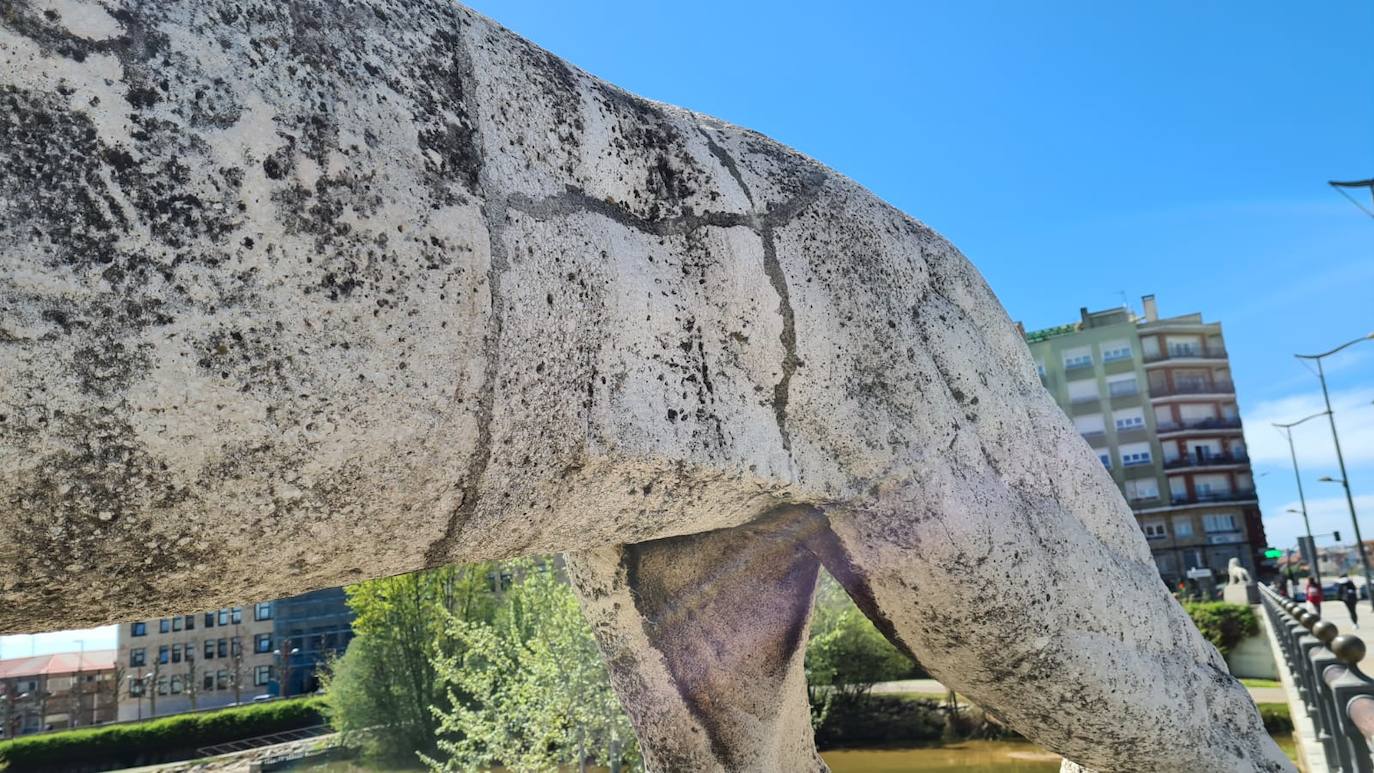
969	757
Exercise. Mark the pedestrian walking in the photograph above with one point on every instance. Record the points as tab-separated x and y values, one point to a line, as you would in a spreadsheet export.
1345	587
1314	595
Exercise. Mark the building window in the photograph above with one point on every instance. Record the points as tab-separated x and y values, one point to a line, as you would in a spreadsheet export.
1040	368
176	623
1145	488
162	654
1155	530
138	629
164	625
190	622
224	617
209	683
1134	421
1116	352
209	649
1122	387
162	686
236	615
1138	453
176	685
176	653
222	680
138	657
262	675
1077	361
1214	522
262	610
262	643
1106	460
222	647
135	688
209	619
1183	527
236	646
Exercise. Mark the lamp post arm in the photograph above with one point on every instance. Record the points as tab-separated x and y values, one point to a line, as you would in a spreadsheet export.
1318	357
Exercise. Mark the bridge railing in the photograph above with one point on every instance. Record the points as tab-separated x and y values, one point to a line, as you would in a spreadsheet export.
1335	693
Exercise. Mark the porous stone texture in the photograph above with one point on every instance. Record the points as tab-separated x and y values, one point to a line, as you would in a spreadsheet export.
297	293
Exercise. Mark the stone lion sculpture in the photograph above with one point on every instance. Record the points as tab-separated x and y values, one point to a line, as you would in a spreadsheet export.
1238	574
295	293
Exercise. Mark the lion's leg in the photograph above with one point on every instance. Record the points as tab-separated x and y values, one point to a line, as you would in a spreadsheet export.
1014	603
705	637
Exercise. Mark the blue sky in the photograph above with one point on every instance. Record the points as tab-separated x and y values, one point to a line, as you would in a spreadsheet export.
1075	151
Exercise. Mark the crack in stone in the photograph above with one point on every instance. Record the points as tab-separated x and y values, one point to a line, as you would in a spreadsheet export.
494	217
728	162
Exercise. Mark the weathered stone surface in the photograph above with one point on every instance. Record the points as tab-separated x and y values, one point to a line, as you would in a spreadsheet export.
297	293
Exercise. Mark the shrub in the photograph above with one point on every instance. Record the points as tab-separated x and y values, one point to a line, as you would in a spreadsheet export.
1222	624
167	739
874	720
1277	720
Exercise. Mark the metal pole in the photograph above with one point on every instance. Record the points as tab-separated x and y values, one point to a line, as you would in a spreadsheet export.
1345	482
1288	430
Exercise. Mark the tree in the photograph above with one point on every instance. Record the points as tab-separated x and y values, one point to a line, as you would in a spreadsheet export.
379	693
846	655
528	690
192	688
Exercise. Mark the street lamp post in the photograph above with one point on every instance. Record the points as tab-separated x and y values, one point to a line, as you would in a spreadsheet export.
1288	432
1340	459
284	669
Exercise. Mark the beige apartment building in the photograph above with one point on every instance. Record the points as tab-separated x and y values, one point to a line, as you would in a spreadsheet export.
196	661
1154	398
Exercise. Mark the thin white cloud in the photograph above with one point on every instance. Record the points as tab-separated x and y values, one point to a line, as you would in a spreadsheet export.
1327	513
1316	453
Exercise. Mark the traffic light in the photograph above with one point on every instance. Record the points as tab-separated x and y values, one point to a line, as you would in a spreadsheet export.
1337	535
1273	553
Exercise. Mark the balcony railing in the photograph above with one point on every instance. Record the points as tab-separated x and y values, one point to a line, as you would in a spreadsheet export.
1191	353
1211	460
1094	437
1181	426
1201	497
1125	389
1191	388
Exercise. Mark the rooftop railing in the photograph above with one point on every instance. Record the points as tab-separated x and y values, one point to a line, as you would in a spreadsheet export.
1325	665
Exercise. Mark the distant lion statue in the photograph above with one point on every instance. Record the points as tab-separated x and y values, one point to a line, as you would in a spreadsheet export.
1239	574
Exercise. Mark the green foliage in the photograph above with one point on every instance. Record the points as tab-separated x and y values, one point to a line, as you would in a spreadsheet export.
1277	720
846	654
156	740
380	692
528	690
875	720
1222	624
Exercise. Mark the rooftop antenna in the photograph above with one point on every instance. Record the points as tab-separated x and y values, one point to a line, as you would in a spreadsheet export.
1341	189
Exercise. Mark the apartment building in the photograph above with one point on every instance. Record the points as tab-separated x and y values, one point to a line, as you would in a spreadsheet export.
196	661
58	691
1154	399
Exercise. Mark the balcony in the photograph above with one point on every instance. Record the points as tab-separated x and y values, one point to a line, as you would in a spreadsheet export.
1166	427
1212	460
1095	438
1187	353
1222	387
1132	434
1082	405
1077	370
1207	497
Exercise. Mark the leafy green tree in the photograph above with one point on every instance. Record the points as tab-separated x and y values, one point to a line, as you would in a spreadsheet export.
381	691
528	689
846	655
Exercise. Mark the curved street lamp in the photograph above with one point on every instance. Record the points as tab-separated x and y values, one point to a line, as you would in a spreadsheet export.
1340	459
1288	432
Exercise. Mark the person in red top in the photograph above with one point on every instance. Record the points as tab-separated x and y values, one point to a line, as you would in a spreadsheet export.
1314	594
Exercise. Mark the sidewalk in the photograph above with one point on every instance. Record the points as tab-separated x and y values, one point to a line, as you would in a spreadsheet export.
933	687
1336	612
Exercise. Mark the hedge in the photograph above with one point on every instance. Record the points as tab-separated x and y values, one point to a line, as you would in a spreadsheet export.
167	739
1276	718
1222	624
